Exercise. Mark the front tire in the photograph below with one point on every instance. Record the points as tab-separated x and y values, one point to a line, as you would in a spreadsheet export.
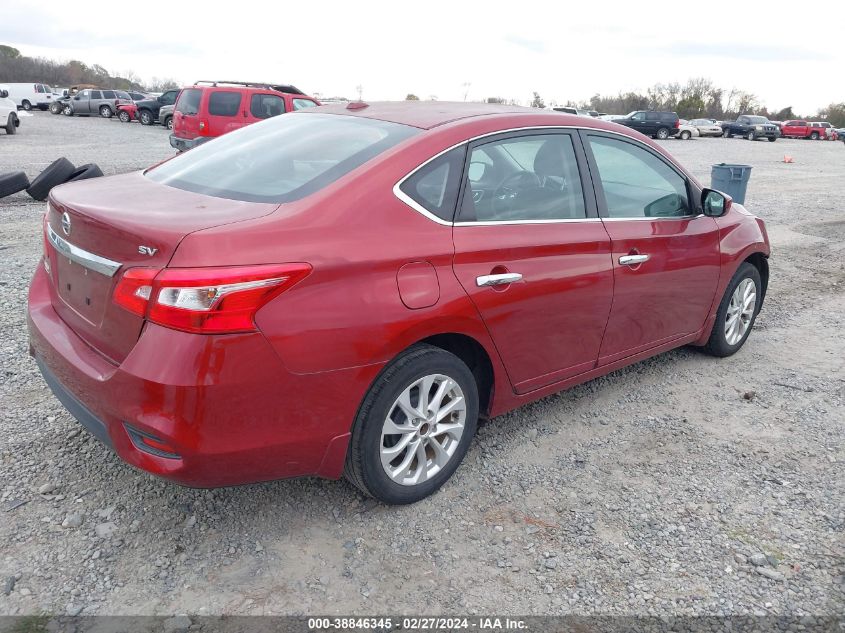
772	139
727	134
737	312
414	426
751	136
11	127
67	111
168	122
146	117
123	115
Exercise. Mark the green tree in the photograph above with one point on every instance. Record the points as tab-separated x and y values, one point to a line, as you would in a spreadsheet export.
537	101
411	97
9	52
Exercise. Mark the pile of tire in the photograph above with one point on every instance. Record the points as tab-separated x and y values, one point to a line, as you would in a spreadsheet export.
57	173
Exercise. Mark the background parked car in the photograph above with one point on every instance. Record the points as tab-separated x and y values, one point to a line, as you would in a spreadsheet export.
751	127
652	123
165	115
90	101
58	105
8	112
127	111
687	131
211	108
822	130
795	128
30	95
148	109
706	127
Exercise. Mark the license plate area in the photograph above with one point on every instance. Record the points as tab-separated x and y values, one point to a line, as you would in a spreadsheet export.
83	290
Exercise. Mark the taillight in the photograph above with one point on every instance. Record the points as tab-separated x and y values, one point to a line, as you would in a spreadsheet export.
205	300
677	124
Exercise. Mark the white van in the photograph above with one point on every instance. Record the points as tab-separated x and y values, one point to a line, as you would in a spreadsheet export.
8	112
29	96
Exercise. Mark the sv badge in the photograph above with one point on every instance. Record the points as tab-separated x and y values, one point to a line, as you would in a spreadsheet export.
147	250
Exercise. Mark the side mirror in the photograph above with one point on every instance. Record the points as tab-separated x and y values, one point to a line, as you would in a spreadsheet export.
715	203
77	98
159	99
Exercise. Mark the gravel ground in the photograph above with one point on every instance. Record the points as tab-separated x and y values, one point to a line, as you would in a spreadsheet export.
682	485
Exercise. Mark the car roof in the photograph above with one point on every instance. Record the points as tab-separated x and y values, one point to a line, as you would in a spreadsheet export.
430	114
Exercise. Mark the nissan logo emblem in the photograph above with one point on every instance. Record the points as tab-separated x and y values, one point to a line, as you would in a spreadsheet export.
66	223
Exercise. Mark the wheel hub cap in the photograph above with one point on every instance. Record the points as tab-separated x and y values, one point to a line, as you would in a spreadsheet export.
740	311
423	429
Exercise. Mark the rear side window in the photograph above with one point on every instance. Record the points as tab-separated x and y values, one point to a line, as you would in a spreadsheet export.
108	94
299	104
636	183
281	159
96	94
189	101
435	186
263	106
222	103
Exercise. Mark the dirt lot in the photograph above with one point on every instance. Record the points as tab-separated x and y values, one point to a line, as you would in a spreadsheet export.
681	485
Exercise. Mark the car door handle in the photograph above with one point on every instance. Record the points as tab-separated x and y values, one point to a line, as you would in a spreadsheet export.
497	280
633	260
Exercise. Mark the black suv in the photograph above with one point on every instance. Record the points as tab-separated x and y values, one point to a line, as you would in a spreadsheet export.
148	108
660	125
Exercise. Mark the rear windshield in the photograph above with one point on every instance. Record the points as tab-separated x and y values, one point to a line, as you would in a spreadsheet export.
189	101
281	159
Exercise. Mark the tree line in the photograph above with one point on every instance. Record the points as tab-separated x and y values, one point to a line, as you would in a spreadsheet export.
15	68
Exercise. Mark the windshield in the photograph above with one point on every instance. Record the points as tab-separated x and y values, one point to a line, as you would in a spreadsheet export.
757	119
281	159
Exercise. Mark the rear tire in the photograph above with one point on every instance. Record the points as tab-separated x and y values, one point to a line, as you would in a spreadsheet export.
168	122
814	136
686	135
56	173
106	112
146	117
26	105
663	133
11	127
423	377
721	343
13	183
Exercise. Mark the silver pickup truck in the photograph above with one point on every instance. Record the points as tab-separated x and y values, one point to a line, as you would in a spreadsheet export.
95	101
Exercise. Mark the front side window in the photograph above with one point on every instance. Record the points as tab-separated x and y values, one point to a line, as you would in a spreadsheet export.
638	116
281	159
169	97
264	106
533	177
636	183
224	103
435	186
189	101
300	104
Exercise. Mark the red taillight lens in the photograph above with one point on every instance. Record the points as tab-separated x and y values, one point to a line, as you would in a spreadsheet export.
677	124
134	289
205	300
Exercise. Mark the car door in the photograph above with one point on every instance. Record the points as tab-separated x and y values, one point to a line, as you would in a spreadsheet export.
665	252
638	122
264	105
225	111
532	254
82	102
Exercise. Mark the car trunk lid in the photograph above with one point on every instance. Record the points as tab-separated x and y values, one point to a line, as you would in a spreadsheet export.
96	229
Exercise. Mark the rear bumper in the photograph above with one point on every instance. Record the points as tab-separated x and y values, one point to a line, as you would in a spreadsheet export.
184	144
225	408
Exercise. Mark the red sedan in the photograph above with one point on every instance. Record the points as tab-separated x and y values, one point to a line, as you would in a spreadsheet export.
345	290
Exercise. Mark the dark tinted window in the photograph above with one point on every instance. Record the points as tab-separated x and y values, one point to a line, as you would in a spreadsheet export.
281	159
96	94
189	101
532	177
224	103
435	186
652	116
108	94
264	106
169	97
636	183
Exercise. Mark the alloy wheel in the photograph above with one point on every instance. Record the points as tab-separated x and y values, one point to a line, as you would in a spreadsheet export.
423	429
740	311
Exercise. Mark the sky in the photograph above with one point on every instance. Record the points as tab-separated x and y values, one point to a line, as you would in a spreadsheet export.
452	50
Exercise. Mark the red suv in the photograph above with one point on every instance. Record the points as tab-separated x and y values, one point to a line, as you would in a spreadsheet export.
212	108
346	290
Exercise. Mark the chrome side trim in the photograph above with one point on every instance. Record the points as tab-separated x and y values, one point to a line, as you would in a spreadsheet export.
82	257
652	219
422	211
